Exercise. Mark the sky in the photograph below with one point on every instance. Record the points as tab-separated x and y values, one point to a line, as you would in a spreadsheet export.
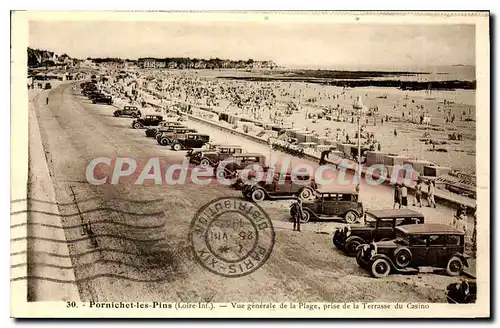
318	45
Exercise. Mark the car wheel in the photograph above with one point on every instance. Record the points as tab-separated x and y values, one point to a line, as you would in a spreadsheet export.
258	195
176	147
135	115
402	257
306	194
116	114
351	247
336	241
380	268
455	266
164	141
351	217
205	162
306	217
137	125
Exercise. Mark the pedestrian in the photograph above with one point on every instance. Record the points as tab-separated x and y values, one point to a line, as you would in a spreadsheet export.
404	196
395	133
297	214
418	194
430	195
47	101
397	196
460	224
461	211
324	156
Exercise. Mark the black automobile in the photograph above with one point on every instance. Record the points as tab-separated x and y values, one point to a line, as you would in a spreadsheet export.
330	205
190	141
127	111
430	246
102	100
151	132
148	120
379	225
167	137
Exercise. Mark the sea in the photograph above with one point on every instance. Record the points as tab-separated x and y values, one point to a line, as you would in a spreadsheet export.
420	73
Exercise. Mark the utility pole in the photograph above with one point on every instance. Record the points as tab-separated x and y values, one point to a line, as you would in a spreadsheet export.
358	106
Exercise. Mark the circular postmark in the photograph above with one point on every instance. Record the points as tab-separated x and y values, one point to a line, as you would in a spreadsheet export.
231	237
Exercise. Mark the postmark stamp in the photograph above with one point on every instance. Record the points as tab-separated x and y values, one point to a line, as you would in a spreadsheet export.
231	237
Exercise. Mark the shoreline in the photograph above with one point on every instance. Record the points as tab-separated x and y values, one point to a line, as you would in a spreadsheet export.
361	82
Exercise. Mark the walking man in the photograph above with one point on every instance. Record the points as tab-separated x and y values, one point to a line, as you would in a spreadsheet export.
418	194
297	214
430	195
47	101
397	196
404	196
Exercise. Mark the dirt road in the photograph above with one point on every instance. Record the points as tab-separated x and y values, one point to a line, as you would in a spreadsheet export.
137	245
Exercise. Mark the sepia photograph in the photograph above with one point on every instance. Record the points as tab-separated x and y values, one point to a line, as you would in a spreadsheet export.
259	164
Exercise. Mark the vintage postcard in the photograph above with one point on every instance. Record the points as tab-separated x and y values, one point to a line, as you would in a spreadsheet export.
258	164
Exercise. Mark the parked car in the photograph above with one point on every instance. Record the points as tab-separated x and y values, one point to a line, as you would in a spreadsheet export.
102	99
329	205
435	246
127	111
462	292
175	133
168	128
148	120
213	157
281	187
242	161
158	133
48	86
190	140
151	132
379	225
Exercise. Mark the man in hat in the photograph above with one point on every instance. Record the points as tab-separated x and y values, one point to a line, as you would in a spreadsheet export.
404	196
397	196
297	214
418	194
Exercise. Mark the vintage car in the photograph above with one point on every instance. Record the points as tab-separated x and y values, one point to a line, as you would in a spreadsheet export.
281	187
214	156
168	128
127	111
93	94
329	205
241	161
148	120
379	225
152	132
462	292
167	137
430	246
158	132
102	99
189	141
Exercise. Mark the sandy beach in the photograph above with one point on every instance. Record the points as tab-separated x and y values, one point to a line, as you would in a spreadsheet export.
392	115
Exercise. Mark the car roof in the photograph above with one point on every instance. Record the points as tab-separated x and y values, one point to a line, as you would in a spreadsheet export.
249	154
429	229
338	192
228	146
391	213
199	134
